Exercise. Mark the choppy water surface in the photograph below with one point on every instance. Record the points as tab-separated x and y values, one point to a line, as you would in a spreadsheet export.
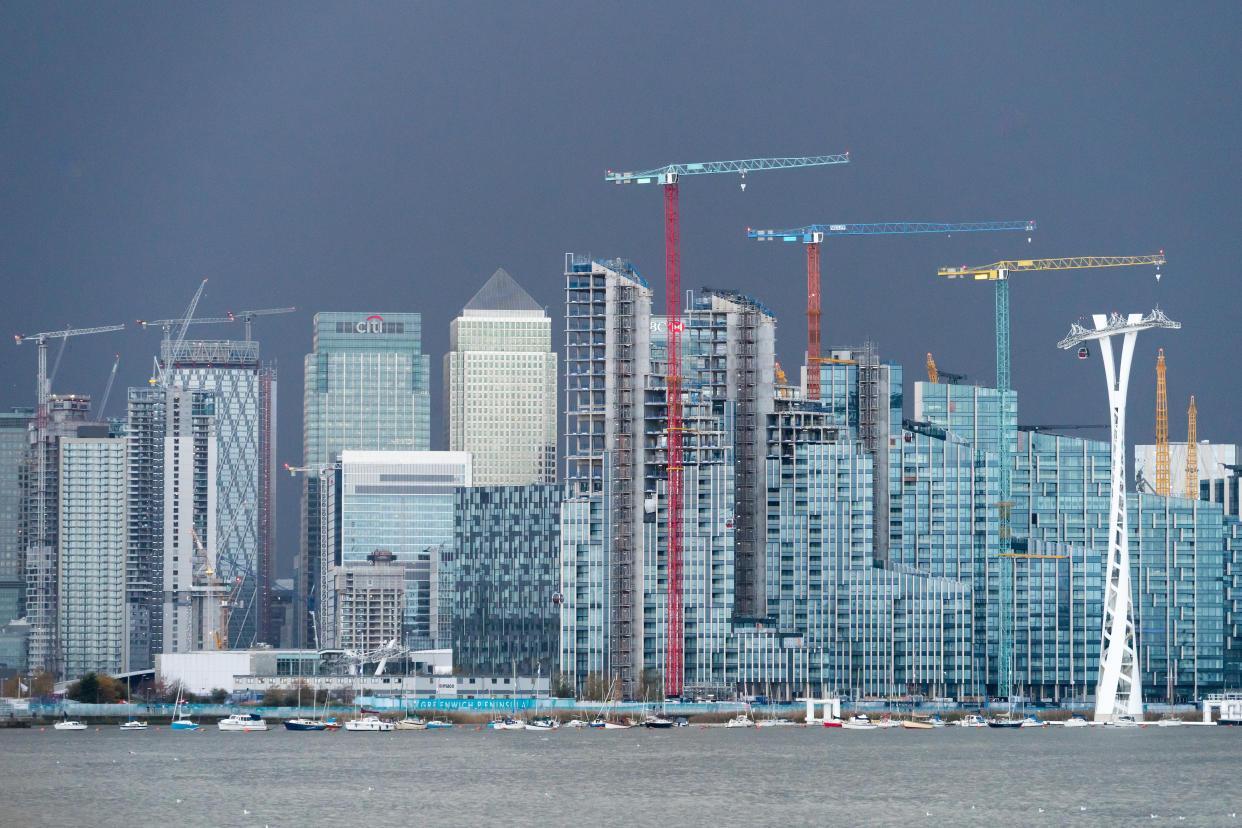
691	776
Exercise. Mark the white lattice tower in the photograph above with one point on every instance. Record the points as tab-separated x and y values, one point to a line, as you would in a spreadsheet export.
1119	690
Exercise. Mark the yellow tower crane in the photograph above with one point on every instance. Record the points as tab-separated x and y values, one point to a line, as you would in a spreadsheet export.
932	376
1163	485
1192	452
999	274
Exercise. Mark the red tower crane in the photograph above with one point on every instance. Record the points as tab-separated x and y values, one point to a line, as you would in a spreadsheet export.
668	176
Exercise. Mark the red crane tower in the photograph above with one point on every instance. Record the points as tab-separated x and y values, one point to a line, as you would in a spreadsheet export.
668	176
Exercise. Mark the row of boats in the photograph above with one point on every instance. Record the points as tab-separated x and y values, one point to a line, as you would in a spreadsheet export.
864	722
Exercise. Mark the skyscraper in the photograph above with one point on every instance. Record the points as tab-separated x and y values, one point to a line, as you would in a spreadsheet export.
238	528
13	442
366	388
91	555
500	386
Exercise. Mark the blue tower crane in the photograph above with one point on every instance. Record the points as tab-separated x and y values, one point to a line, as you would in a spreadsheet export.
812	234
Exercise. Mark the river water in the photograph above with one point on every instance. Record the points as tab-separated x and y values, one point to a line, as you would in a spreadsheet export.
680	777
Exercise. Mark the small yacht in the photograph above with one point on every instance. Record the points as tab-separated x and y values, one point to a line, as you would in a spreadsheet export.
1031	721
181	719
411	724
833	722
507	723
370	724
133	724
542	723
860	722
740	720
1076	721
1169	720
1123	721
69	724
242	723
916	724
578	723
972	720
658	721
439	724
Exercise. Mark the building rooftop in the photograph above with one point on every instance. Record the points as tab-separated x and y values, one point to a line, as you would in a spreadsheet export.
501	293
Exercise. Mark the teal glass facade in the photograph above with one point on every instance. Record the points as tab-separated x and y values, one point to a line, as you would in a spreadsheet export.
366	388
501	583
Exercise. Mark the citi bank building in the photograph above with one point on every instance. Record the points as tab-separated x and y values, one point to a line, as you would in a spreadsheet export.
366	390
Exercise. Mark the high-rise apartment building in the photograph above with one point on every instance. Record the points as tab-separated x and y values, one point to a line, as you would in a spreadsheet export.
13	445
91	555
144	487
366	389
370	599
500	386
40	522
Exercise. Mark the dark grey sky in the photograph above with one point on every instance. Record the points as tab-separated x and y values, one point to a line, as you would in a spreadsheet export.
388	157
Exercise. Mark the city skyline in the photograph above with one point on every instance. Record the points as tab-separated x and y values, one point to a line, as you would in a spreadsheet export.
335	178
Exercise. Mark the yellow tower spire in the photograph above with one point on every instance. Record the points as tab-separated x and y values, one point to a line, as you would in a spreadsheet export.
1162	430
1192	454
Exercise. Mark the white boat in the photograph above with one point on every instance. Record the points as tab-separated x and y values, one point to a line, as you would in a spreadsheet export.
181	719
578	723
778	722
370	724
1031	721
242	723
507	723
133	724
542	724
972	720
1169	721
886	722
859	722
740	720
411	724
1076	721
70	724
1122	721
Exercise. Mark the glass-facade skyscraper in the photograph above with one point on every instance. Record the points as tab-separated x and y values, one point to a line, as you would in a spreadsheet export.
13	443
366	389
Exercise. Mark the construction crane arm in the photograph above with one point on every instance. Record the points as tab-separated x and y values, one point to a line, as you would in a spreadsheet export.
671	172
103	402
168	323
813	232
996	270
65	332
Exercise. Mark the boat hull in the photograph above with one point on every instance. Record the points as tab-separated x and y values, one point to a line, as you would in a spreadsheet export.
69	726
294	724
184	724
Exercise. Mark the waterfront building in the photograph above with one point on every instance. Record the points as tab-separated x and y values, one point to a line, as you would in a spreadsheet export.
1232	530
607	361
66	417
91	555
144	491
500	386
369	599
239	526
366	388
501	582
402	502
1216	462
13	445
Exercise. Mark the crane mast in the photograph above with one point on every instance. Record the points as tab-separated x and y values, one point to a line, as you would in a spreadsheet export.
1192	452
1163	485
668	176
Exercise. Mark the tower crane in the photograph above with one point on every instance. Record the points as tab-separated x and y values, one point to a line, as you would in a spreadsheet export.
160	373
1163	484
813	234
935	374
1192	451
46	627
249	315
668	177
999	273
103	401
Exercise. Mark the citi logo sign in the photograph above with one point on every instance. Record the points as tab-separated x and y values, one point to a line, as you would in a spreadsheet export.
372	324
